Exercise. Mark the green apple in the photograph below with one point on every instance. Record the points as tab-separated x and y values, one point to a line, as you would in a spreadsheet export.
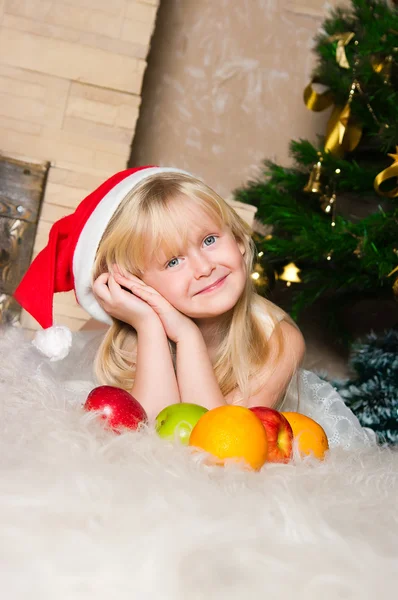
175	422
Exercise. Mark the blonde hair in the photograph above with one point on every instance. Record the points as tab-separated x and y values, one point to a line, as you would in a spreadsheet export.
150	214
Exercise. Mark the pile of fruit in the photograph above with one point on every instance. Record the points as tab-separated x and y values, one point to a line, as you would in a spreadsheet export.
252	436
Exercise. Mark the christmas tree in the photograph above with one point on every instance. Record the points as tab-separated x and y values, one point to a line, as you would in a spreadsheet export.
334	213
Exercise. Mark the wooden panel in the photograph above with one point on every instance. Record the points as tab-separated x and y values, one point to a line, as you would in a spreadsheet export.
21	188
16	242
21	193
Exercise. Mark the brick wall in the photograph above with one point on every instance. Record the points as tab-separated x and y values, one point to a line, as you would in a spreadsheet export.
70	82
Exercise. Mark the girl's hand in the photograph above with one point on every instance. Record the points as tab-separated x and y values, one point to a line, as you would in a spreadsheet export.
174	322
122	304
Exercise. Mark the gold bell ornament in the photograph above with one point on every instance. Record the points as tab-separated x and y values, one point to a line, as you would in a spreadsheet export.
314	185
290	274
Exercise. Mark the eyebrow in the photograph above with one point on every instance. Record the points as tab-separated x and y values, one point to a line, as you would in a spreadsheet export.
204	231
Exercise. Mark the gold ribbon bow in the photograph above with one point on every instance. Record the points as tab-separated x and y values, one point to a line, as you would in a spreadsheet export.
342	39
391	171
317	102
392	272
342	133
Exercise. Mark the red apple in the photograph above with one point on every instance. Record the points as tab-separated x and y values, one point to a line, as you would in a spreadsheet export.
279	433
117	407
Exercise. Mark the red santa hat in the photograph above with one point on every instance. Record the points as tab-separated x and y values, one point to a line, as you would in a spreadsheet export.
66	263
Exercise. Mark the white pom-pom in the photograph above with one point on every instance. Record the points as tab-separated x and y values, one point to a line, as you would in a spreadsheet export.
54	342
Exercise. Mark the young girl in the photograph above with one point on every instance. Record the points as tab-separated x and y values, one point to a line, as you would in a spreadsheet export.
162	259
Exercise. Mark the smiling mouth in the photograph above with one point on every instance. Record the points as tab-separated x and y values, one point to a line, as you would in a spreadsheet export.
214	286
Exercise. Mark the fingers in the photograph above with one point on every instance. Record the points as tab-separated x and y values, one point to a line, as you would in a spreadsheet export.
140	291
117	272
106	289
132	281
116	291
155	300
114	287
102	279
157	303
100	287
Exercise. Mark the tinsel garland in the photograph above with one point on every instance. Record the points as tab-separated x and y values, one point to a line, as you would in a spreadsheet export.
372	394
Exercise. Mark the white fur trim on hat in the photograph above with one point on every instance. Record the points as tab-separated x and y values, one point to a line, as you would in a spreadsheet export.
54	342
92	232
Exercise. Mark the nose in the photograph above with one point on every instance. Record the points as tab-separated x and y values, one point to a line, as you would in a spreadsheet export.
202	266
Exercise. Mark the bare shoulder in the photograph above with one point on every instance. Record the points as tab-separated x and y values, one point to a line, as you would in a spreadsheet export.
292	335
286	349
263	306
279	327
286	344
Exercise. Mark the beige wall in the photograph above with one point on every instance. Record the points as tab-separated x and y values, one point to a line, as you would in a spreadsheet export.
223	92
225	86
70	84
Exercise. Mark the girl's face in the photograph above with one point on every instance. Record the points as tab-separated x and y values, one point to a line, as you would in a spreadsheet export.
207	278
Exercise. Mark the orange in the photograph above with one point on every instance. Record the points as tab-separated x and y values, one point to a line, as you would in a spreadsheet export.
231	432
310	435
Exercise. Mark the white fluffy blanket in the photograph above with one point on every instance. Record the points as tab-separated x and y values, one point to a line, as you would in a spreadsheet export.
88	515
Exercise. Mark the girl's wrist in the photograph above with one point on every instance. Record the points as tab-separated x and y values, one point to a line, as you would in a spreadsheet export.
149	326
190	333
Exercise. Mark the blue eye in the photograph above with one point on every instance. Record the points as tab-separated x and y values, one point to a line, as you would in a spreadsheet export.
173	262
209	240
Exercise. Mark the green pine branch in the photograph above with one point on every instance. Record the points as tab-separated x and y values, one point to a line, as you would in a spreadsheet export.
375	26
357	255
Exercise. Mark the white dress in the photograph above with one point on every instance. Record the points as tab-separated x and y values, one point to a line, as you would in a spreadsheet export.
310	395
307	393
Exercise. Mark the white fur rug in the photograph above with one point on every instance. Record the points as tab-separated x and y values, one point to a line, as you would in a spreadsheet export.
88	515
